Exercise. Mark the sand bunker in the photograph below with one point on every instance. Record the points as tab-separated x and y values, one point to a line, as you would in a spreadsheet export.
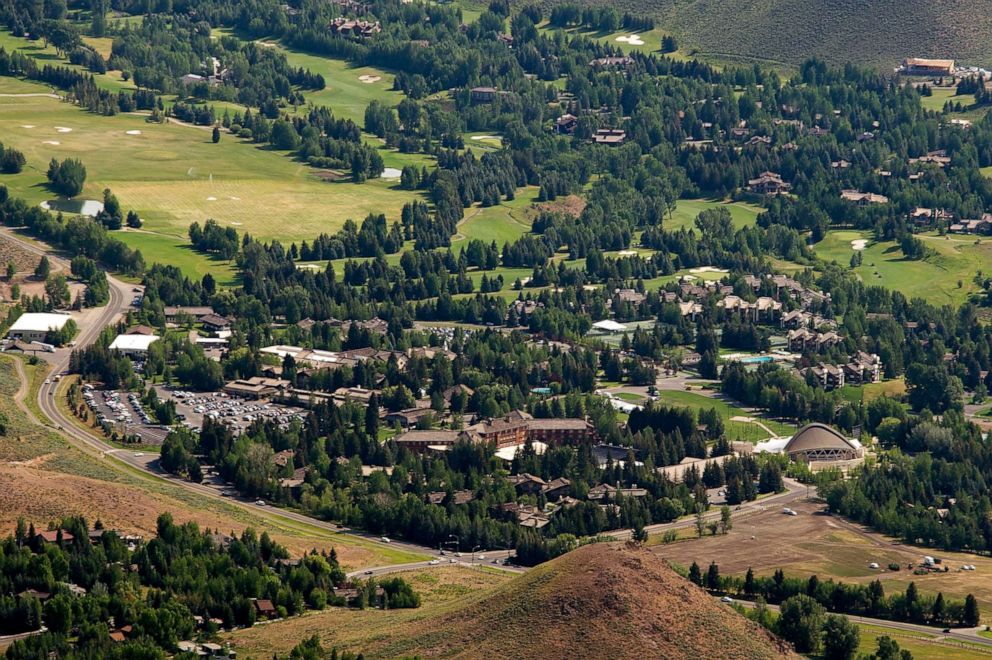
54	143
708	269
859	244
391	173
236	199
368	80
236	224
485	137
63	129
631	39
27	125
133	132
211	199
627	253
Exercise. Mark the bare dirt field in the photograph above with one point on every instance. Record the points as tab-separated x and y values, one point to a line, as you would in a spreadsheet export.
830	547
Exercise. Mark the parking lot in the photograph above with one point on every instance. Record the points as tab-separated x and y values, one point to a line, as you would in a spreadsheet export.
123	412
236	413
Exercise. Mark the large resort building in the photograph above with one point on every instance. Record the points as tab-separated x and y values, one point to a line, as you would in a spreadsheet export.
512	430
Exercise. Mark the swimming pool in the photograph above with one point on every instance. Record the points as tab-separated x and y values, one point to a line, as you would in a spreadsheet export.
757	360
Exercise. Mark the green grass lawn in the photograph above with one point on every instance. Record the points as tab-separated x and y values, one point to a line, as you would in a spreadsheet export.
735	430
921	645
173	175
866	393
741	213
181	254
345	93
956	259
503	223
48	55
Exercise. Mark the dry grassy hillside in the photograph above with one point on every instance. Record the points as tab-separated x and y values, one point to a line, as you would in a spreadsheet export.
875	32
600	601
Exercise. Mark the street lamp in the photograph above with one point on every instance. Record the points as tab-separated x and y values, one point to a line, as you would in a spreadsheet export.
473	552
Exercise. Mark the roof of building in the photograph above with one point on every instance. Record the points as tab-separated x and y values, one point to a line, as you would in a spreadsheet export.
39	322
928	63
430	436
818	436
133	342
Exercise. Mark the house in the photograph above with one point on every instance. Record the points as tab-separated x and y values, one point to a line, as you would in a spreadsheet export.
356	28
215	322
863	199
768	183
609	493
796	319
409	417
483	94
828	376
174	313
256	387
556	488
940	159
609	136
759	141
981	225
141	330
863	368
34	593
528	483
282	458
919	66
265	608
52	536
622	62
802	338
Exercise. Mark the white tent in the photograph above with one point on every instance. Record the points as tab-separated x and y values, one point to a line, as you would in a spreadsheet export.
609	326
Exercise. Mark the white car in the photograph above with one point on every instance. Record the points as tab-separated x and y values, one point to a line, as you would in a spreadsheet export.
481	558
385	540
260	502
727	599
138	454
434	562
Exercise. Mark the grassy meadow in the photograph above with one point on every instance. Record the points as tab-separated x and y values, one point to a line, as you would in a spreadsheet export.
735	430
741	213
955	259
173	175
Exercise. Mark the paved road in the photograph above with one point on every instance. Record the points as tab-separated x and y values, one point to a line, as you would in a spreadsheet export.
969	635
465	561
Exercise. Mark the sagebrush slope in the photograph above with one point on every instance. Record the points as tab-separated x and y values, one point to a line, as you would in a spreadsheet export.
600	601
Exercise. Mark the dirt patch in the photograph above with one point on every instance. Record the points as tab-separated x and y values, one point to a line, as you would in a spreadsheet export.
329	175
572	205
828	546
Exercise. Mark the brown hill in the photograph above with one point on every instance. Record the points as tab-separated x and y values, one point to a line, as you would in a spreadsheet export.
600	601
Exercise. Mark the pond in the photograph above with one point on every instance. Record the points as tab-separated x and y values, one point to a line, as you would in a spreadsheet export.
88	207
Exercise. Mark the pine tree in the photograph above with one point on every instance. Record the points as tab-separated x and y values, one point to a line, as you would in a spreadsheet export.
695	575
